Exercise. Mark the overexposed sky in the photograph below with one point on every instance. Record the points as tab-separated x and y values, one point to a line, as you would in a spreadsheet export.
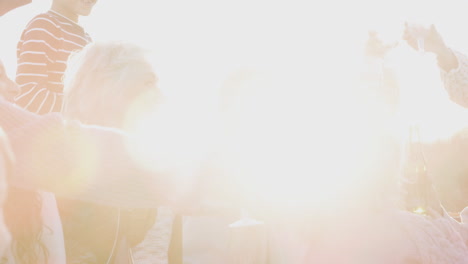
223	34
196	44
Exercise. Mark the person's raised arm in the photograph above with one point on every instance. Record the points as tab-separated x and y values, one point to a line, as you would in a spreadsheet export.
453	64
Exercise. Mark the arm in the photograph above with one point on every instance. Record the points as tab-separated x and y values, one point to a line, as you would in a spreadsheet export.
453	65
37	49
79	162
7	6
454	74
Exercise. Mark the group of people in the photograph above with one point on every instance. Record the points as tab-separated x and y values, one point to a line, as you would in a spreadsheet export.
71	229
72	192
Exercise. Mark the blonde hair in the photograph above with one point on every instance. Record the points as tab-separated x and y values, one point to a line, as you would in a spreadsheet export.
102	79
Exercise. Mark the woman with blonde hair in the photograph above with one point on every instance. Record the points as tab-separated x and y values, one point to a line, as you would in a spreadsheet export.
110	84
105	79
49	156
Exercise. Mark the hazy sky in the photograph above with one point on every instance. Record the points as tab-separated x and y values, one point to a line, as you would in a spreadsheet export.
196	44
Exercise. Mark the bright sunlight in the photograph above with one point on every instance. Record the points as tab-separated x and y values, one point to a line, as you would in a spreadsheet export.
310	52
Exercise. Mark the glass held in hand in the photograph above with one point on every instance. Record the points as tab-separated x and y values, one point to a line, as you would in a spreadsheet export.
418	33
420	41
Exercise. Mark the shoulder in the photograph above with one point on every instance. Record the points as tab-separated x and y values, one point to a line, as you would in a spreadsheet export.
44	20
42	27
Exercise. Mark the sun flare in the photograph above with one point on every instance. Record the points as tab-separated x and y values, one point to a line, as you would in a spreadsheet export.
298	118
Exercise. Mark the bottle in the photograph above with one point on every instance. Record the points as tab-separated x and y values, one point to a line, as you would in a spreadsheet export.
416	183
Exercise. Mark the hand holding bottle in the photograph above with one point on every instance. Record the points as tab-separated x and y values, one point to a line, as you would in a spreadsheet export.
428	39
433	42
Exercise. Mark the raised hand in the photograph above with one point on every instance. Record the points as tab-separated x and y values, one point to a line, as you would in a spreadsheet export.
375	46
433	42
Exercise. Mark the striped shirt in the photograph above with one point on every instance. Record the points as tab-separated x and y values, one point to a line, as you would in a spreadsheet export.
43	52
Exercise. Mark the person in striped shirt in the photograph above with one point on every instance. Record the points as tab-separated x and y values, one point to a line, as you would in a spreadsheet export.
43	52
